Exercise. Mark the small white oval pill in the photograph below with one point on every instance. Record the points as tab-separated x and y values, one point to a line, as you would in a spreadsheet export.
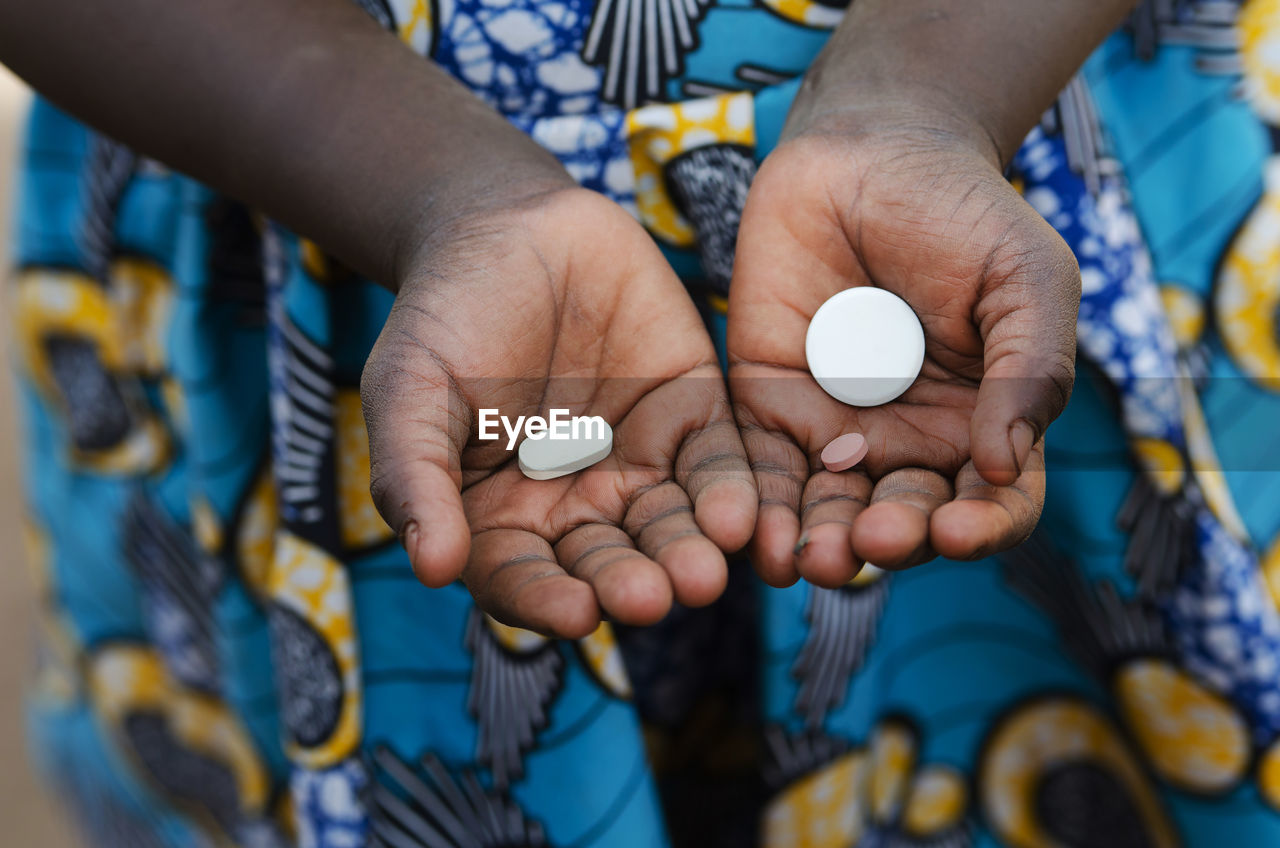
545	458
864	346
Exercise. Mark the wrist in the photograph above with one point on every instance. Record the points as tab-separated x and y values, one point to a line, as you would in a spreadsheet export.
922	115
472	201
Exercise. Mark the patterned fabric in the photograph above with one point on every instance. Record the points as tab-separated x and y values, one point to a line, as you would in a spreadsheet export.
234	651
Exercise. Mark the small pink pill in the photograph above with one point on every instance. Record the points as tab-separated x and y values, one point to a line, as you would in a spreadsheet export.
844	452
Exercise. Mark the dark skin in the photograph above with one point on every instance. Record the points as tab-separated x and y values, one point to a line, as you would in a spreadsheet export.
889	173
305	109
511	282
608	333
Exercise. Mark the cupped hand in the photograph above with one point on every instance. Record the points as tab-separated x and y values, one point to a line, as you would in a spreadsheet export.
955	464
561	301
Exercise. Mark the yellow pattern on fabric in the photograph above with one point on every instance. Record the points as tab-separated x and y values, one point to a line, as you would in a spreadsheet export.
938	801
57	674
660	132
62	303
1048	734
1193	738
142	293
1269	563
806	12
1185	311
514	640
127	679
256	534
867	575
820	810
146	448
1163	464
1258	25
877	785
1269	775
601	654
359	523
314	585
1207	469
175	404
1248	291
206	525
66	304
313	260
893	759
414	21
128	319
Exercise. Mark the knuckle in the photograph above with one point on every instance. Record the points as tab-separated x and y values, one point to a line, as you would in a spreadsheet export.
1061	373
382	486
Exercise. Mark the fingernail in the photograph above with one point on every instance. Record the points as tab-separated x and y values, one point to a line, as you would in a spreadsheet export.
409	537
1021	437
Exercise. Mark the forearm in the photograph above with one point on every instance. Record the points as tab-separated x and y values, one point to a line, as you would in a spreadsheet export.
983	67
302	108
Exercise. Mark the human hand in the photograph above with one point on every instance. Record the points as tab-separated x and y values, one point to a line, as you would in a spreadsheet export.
956	464
561	301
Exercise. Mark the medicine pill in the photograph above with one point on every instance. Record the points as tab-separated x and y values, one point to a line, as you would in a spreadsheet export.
844	452
864	346
545	458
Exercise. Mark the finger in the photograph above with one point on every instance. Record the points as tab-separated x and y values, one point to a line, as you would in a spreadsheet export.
710	461
630	587
1027	317
893	532
660	520
985	519
713	469
417	423
781	470
830	504
515	577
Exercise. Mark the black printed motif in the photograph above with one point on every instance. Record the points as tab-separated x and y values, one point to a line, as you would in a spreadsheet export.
307	675
183	772
107	172
426	807
510	692
97	413
179	585
380	12
302	430
709	185
842	626
642	45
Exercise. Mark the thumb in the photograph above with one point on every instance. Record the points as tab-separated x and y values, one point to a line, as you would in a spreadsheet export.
418	423
1027	318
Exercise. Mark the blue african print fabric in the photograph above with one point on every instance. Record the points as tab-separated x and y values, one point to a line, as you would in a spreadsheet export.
235	652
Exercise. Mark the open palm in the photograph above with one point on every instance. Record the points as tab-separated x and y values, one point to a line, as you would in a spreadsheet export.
955	463
564	304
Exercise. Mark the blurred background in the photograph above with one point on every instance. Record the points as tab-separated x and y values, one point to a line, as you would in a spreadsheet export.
29	817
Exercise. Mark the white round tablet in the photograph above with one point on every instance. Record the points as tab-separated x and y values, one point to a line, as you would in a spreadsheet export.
546	458
864	346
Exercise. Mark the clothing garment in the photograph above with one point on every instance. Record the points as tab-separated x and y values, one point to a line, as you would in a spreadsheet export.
235	652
